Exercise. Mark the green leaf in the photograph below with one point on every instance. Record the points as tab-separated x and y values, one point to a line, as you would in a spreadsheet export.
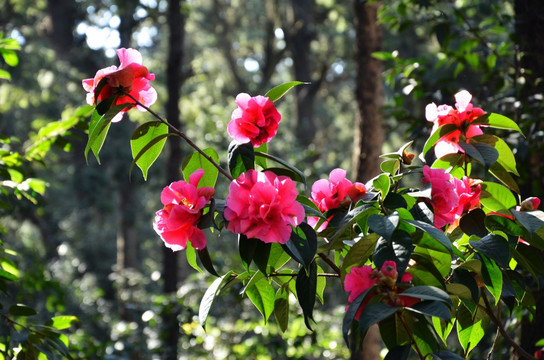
246	248
491	61
473	223
262	253
321	284
432	308
21	310
506	157
398	249
471	328
383	184
485	154
146	145
504	224
497	197
427	293
453	164
390	166
373	313
277	92
302	245
355	215
498	171
531	220
437	135
10	57
206	261
310	208
98	129
384	225
190	253
197	161
262	296
241	158
495	247
300	177
209	297
435	233
62	322
351	311
492	277
5	75
497	121
261	161
359	253
281	309
306	286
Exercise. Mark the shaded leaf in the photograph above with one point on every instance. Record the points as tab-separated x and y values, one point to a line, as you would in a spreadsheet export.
306	285
209	297
241	158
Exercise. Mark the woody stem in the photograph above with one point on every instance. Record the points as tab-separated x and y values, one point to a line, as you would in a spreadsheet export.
184	137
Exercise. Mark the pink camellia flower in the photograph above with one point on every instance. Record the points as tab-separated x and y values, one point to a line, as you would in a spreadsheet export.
445	199
183	203
130	77
334	193
362	278
451	197
462	117
255	120
263	205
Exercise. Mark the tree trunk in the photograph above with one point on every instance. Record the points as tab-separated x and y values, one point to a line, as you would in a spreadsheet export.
369	135
174	80
530	31
298	40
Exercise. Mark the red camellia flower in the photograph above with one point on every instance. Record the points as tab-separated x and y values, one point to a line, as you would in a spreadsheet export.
183	203
462	117
334	193
255	120
263	205
130	77
362	278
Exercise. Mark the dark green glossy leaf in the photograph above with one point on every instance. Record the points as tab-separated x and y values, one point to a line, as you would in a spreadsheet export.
262	253
432	308
495	247
446	355
427	293
299	174
435	233
351	312
146	144
384	225
21	310
398	353
531	220
373	313
206	261
506	157
502	223
306	285
302	245
473	223
241	158
246	248
359	253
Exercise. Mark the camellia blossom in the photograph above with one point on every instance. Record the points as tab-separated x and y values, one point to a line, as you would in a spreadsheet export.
462	117
362	278
451	197
263	205
183	202
334	193
255	120
130	77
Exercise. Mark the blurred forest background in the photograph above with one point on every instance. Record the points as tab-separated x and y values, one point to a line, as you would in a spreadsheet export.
86	246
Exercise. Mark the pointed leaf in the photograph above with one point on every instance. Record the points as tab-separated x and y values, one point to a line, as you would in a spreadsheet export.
427	293
146	144
206	261
497	197
300	175
435	233
62	322
495	247
277	92
437	135
359	253
197	161
281	309
306	285
246	247
432	308
262	296
209	297
241	158
373	313
497	121
21	310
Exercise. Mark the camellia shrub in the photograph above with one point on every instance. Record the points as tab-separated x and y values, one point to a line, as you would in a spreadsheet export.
418	261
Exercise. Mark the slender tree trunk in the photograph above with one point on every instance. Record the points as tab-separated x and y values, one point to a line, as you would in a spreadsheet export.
530	31
369	135
174	79
299	40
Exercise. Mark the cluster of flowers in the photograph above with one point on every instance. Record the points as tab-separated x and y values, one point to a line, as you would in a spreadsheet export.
362	278
263	205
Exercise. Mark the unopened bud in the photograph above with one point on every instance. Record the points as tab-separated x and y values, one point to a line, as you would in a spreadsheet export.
529	204
407	157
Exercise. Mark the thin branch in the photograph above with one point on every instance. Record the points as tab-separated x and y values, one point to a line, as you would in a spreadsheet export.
407	328
329	262
518	349
184	137
328	275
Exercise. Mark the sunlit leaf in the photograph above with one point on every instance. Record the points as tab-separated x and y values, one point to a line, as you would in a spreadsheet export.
209	297
277	92
147	143
262	296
